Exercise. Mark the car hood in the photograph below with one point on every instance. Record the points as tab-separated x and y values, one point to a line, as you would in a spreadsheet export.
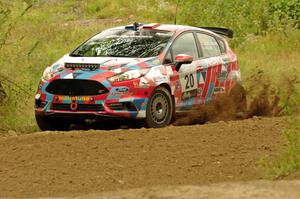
106	66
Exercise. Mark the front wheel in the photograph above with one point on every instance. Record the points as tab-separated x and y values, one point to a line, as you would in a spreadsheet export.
160	109
52	124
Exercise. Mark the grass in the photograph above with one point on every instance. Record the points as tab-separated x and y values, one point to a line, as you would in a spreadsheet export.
25	69
47	32
272	61
140	10
287	161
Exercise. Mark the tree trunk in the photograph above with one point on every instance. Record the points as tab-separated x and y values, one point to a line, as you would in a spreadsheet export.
2	93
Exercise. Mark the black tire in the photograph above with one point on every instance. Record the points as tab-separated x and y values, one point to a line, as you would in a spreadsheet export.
52	124
160	109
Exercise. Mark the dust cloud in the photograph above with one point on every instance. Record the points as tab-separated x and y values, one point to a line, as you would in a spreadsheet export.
260	97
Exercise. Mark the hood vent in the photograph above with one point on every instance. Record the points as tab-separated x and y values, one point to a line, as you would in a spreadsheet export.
82	66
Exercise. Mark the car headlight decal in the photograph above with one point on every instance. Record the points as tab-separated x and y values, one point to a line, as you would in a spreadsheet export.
47	74
128	75
50	71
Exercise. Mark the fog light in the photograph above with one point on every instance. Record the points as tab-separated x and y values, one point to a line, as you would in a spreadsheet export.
37	103
122	106
37	96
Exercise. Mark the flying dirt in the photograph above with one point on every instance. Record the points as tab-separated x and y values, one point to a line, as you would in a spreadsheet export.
76	163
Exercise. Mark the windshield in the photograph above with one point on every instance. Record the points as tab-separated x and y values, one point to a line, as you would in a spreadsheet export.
124	43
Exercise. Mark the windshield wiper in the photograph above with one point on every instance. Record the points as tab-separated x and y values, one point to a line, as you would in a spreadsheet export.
79	55
113	56
75	55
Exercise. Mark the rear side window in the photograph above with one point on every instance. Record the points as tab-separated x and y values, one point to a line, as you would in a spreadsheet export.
185	44
209	45
222	46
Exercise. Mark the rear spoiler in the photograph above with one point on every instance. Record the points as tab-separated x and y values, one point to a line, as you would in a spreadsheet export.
221	31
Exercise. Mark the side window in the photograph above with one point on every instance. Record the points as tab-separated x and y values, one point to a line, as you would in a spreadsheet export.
222	46
209	45
168	58
185	44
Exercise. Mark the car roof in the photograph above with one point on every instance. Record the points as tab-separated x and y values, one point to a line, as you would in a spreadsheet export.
217	32
174	28
170	27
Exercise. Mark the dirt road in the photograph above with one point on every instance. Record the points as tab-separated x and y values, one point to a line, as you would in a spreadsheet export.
242	190
83	162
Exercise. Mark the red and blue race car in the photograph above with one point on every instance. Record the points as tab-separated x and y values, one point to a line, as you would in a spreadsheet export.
147	72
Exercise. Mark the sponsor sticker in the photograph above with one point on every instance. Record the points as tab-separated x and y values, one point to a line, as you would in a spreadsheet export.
118	92
199	91
189	94
74	98
218	90
121	89
121	94
160	79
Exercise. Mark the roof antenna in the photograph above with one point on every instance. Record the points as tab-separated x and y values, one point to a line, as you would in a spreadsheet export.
135	26
175	20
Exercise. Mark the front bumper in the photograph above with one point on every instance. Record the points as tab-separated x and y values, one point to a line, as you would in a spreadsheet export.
124	100
131	108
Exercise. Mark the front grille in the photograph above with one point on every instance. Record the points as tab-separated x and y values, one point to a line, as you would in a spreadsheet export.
82	65
80	107
43	104
76	87
40	104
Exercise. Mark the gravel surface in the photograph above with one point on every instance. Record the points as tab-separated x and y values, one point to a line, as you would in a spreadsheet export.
68	164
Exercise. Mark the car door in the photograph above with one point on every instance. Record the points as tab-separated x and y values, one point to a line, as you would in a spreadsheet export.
186	79
214	65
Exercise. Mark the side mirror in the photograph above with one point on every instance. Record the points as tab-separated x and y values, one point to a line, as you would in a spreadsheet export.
182	59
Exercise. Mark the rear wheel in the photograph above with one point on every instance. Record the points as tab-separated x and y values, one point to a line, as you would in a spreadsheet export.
52	124
160	109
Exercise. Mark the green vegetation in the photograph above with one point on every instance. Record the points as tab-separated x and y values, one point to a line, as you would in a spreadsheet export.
244	17
270	66
288	160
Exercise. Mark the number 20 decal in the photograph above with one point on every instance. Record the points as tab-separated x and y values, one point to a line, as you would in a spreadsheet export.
190	83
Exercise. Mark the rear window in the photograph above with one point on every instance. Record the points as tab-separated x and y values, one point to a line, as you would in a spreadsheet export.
209	45
124	43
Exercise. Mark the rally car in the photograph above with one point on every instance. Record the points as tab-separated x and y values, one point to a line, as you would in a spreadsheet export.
147	72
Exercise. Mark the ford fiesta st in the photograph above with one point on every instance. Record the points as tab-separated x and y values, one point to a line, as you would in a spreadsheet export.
145	72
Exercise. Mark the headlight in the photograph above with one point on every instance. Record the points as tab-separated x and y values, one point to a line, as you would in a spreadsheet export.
50	71
132	74
47	74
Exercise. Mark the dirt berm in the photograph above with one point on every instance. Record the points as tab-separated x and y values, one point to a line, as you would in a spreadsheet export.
76	163
249	190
